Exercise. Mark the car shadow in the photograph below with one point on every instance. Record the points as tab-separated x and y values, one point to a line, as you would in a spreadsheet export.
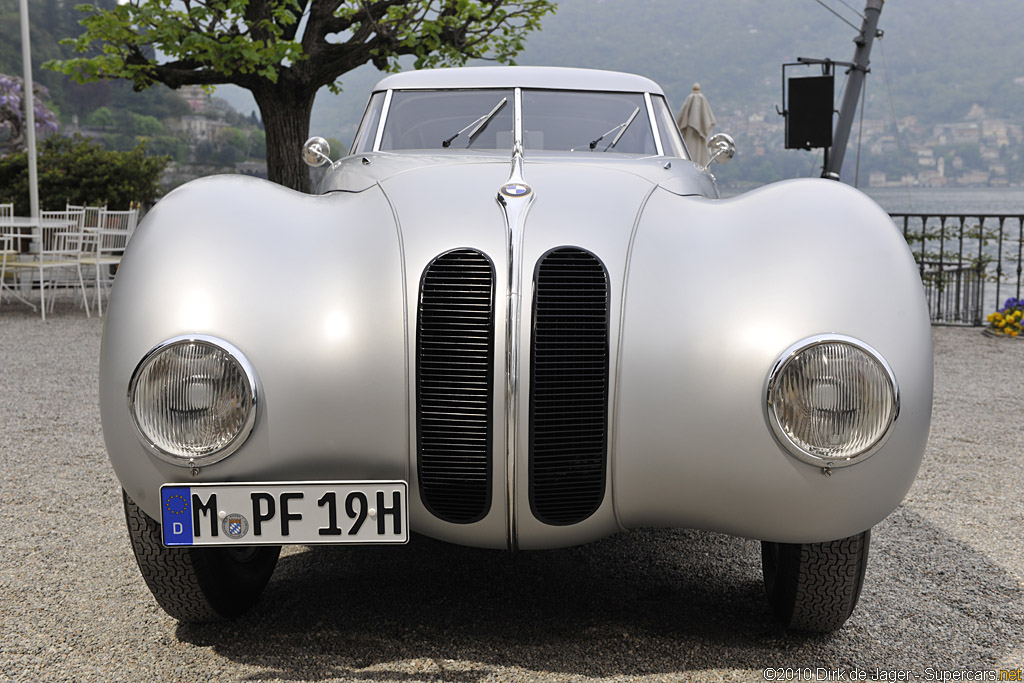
645	602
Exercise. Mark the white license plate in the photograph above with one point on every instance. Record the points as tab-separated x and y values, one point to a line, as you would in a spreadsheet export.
285	513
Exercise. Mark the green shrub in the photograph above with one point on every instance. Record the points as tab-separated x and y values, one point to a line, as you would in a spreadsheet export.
78	170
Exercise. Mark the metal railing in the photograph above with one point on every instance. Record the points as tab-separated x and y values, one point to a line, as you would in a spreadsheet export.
969	263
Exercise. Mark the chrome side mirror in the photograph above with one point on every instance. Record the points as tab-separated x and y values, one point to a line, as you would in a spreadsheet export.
721	148
316	152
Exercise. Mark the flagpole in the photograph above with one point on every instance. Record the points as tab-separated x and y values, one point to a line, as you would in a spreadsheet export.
28	98
854	89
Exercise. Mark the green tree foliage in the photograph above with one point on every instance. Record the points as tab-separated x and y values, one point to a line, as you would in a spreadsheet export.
101	118
124	130
227	155
80	171
235	138
205	152
146	125
166	145
257	44
338	148
258	144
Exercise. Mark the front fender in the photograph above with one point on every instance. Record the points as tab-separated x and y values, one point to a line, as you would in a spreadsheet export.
309	288
716	292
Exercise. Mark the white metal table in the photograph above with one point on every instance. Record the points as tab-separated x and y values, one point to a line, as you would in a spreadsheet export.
12	232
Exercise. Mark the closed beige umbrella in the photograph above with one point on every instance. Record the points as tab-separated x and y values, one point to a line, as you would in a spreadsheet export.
695	122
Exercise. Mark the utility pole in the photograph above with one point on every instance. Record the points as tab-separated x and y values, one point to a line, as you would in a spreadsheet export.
854	85
28	98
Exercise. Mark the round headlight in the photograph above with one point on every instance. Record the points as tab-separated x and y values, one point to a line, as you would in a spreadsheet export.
832	400
193	400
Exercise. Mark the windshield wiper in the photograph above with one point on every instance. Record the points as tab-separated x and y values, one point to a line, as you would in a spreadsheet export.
479	124
624	125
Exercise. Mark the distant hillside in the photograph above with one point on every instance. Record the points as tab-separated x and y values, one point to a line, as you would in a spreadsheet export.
942	57
937	60
52	21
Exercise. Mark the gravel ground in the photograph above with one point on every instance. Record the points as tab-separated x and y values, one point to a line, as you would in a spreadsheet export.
945	587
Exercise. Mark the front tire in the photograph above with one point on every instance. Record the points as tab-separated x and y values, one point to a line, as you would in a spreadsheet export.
198	584
815	586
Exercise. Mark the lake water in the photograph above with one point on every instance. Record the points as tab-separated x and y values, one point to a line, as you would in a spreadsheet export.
967	200
1003	200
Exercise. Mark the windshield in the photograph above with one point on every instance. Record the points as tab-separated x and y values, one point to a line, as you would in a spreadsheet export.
578	121
589	122
464	119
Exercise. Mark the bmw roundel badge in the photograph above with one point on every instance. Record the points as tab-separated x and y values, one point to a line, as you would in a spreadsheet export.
515	190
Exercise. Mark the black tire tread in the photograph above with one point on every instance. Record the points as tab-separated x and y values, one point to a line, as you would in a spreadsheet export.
184	581
816	586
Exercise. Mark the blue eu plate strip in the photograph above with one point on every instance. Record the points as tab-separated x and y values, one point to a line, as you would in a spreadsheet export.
176	514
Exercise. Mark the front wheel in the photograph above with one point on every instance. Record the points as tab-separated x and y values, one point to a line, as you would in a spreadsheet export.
198	584
815	586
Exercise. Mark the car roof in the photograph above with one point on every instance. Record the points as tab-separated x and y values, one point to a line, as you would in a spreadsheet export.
548	77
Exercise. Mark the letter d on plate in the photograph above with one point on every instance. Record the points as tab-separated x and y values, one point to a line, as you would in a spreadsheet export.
176	514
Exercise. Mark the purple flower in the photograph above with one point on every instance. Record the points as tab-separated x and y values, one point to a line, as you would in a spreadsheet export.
12	112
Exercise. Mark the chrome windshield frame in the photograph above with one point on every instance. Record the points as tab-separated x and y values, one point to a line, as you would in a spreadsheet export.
517	118
654	124
384	111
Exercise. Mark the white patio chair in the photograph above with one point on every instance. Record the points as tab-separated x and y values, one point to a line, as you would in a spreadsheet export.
90	221
90	214
71	244
6	246
9	254
53	246
105	245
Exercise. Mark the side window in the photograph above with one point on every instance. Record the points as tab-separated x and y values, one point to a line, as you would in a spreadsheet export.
671	140
368	126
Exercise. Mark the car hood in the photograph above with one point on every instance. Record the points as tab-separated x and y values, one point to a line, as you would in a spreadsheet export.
360	172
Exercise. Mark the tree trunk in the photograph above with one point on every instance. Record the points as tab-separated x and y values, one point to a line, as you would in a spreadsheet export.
285	108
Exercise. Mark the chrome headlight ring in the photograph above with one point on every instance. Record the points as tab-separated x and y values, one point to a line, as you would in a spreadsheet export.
831	400
193	400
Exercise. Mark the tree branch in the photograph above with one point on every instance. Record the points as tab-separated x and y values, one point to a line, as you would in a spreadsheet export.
289	32
176	74
328	23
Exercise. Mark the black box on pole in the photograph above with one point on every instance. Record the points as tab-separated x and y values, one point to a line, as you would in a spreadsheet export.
809	112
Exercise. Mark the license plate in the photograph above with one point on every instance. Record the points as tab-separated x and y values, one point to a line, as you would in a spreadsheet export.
284	513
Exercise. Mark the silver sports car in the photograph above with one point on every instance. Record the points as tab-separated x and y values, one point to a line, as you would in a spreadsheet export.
515	316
